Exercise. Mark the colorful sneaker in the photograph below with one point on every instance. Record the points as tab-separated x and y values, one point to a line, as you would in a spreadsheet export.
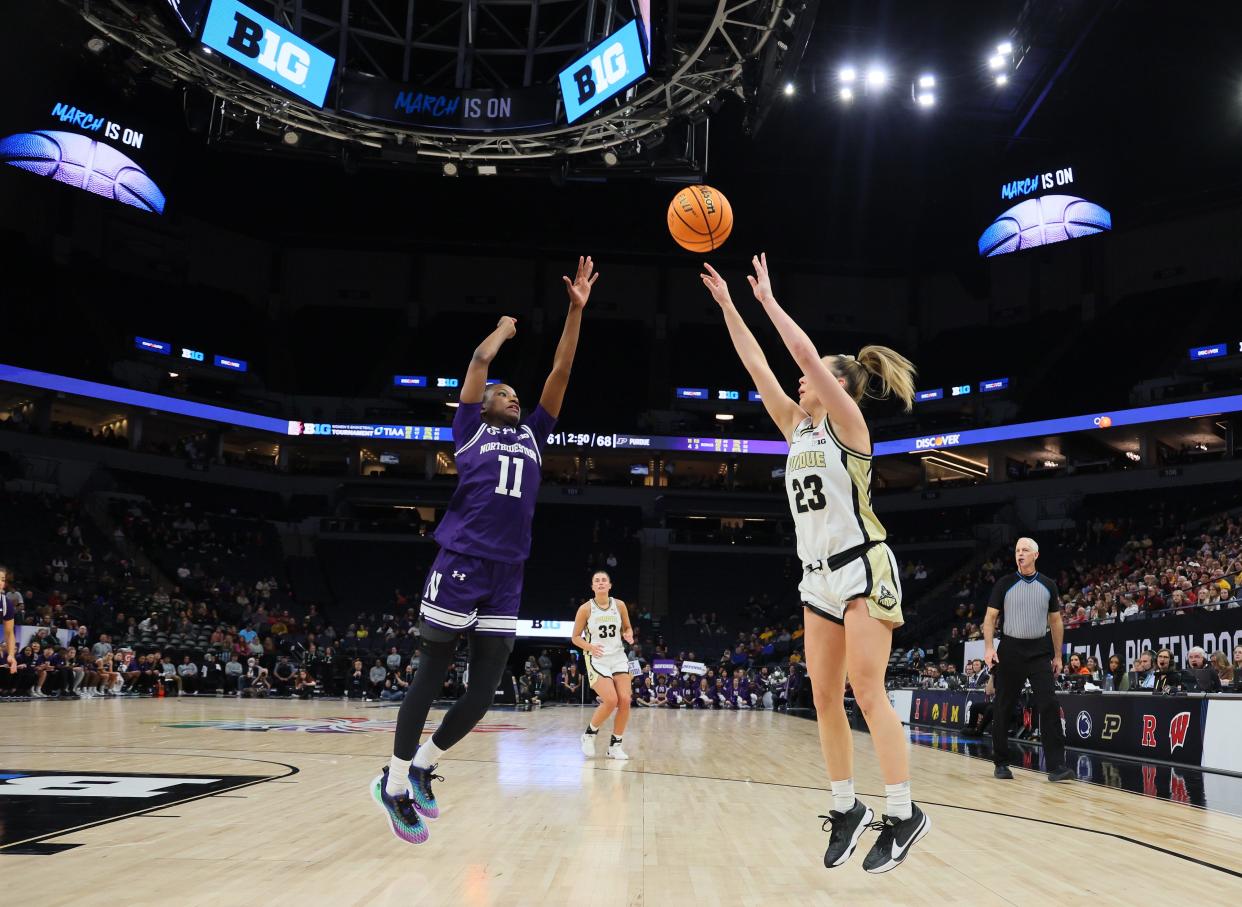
403	818
845	829
897	836
420	791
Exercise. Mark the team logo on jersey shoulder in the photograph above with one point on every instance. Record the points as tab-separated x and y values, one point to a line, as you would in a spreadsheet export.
886	598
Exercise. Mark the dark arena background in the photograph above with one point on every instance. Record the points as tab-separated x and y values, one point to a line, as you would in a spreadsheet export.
247	249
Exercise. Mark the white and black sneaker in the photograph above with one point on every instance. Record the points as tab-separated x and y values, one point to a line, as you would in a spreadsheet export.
897	836
845	828
588	744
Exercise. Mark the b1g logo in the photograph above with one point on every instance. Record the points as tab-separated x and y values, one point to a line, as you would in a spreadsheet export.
611	67
275	53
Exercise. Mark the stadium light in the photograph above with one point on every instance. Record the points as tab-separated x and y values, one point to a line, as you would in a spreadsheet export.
449	168
927	81
1005	47
611	158
926	99
877	77
789	89
291	137
1002	80
847	94
847	74
996	61
724	417
486	170
451	404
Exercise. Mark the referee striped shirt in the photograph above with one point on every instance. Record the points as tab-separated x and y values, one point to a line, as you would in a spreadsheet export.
1025	603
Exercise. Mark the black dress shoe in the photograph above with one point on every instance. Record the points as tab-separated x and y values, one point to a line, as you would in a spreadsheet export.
1002	771
1062	774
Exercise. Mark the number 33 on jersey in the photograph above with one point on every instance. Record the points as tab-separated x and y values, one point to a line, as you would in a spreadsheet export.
498	473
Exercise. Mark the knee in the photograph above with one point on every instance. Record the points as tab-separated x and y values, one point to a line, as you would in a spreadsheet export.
870	696
623	705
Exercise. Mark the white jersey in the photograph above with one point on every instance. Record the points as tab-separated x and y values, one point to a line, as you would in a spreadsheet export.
829	489
603	628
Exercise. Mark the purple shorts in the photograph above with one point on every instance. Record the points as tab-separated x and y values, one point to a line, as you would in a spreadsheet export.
472	593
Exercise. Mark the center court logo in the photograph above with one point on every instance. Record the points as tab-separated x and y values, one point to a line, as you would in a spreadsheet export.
321	726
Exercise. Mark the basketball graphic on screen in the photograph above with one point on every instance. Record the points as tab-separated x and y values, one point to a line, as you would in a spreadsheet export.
700	218
1044	220
80	161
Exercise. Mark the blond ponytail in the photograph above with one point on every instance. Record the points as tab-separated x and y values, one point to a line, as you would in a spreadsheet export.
894	372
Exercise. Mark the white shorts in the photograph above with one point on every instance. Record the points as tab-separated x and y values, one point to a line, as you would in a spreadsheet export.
873	576
606	666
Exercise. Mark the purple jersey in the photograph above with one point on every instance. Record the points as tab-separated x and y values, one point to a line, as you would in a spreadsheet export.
498	474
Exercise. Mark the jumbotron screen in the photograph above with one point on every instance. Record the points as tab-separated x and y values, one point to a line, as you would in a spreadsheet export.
94	144
1041	203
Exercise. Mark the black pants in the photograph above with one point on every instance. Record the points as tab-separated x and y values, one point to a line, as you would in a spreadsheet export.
1022	660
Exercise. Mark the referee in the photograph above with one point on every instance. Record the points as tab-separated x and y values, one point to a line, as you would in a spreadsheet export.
1031	606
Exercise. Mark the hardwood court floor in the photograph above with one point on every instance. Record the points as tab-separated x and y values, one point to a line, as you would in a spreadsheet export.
714	808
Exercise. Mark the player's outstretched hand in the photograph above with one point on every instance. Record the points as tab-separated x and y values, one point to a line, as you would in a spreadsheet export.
580	287
508	326
716	286
761	283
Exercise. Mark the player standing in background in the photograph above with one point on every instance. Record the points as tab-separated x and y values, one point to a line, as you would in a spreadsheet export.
850	588
599	628
475	583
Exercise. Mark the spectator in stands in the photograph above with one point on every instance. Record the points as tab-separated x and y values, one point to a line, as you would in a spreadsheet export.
188	672
283	673
169	675
1076	667
375	679
356	681
305	686
393	661
570	687
1222	667
234	675
395	686
1237	659
211	678
103	647
1144	679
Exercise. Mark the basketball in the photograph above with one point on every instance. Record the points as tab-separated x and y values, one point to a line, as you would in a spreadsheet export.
700	218
80	161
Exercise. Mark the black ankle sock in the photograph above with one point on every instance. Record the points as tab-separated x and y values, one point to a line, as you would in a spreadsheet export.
592	732
614	741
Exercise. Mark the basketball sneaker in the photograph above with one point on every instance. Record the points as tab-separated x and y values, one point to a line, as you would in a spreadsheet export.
845	828
420	791
615	752
403	818
588	744
896	838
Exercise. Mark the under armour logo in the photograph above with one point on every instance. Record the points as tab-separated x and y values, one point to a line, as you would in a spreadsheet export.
458	575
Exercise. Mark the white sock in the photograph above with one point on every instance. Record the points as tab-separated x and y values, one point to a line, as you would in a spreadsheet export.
897	798
428	755
843	795
398	781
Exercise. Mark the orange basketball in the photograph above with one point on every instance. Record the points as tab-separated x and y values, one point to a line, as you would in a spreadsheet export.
700	218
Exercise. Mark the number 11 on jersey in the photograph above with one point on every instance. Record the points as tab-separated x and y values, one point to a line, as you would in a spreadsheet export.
503	486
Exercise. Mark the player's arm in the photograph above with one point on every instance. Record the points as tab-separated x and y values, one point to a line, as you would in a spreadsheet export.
627	631
580	621
484	353
989	633
10	639
782	409
579	290
843	412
